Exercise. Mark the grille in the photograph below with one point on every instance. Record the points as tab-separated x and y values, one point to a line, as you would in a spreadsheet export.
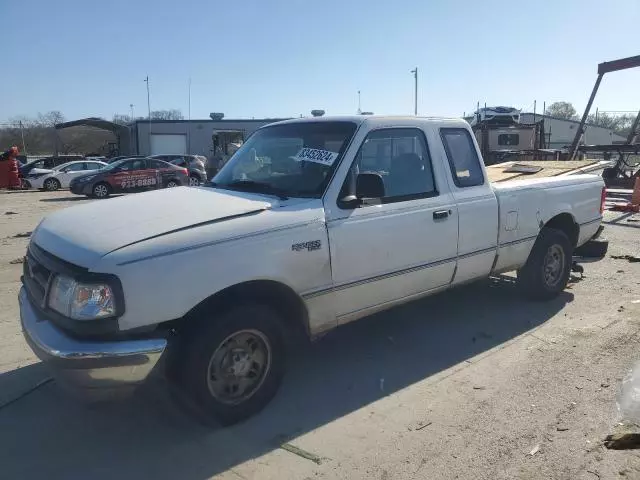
36	278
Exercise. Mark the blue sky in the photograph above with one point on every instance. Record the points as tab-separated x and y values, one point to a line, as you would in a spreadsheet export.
281	58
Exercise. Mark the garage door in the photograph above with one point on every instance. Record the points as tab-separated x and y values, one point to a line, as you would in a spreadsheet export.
168	144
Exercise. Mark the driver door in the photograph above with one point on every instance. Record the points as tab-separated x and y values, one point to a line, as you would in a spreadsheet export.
404	245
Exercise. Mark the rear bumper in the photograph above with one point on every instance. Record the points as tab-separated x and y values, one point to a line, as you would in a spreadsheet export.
95	369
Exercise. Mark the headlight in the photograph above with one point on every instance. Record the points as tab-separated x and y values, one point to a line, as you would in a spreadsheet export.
81	301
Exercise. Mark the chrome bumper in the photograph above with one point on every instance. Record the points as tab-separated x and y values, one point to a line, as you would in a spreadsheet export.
92	368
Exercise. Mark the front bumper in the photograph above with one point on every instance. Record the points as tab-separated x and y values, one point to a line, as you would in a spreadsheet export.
81	188
95	369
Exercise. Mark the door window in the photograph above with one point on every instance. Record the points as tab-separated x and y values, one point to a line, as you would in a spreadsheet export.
93	166
400	156
138	164
76	167
462	156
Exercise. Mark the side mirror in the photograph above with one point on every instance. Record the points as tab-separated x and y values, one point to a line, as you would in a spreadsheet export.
369	191
369	185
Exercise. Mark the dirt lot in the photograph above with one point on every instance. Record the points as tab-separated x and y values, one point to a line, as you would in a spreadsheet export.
472	384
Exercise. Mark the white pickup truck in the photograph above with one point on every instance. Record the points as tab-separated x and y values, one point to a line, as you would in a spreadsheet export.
313	223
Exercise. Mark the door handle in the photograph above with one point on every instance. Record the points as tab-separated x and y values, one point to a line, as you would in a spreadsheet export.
440	214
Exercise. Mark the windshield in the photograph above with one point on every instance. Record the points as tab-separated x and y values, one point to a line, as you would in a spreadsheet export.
289	160
113	165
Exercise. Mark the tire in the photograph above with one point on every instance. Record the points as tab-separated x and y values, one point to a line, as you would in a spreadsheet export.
194	181
101	190
172	184
51	184
202	357
548	267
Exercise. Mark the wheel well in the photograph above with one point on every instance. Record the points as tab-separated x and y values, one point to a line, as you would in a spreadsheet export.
565	223
274	294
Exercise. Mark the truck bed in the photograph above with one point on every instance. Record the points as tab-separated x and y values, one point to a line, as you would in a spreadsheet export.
500	172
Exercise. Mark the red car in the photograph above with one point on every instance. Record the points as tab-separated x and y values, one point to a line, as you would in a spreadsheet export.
130	175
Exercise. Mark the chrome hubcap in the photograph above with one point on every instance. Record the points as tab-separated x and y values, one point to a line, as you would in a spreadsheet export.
51	185
194	182
553	265
171	184
239	366
100	191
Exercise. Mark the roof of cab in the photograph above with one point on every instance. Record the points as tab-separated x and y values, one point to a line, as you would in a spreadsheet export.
360	119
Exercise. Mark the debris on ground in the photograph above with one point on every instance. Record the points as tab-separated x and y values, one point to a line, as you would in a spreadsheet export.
22	235
562	429
479	387
10	213
301	453
630	258
534	450
622	441
420	426
16	261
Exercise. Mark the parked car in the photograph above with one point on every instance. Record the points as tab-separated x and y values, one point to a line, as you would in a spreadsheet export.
130	175
195	164
346	217
60	176
47	163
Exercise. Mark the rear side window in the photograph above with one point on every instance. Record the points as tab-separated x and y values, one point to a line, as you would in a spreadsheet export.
462	156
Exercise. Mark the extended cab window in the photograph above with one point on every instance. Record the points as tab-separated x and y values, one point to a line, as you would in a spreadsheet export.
400	156
463	157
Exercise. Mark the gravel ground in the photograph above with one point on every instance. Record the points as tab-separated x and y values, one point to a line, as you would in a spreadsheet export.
472	384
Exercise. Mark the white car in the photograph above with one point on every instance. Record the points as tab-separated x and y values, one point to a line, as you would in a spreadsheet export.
61	176
312	224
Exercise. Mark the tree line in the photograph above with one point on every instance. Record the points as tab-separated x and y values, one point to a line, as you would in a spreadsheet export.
620	124
37	135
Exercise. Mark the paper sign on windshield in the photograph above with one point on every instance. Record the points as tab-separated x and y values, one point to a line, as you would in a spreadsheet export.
323	157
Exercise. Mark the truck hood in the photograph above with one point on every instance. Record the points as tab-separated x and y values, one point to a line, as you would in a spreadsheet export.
83	234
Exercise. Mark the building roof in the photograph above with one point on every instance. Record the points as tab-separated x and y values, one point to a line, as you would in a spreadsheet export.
93	122
569	120
208	120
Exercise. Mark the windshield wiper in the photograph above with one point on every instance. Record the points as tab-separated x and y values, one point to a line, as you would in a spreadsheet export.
253	186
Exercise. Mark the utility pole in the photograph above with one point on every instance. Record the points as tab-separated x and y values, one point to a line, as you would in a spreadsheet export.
359	109
131	107
415	95
24	147
189	123
149	110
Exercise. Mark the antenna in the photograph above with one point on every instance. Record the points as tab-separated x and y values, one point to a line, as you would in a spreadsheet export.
359	109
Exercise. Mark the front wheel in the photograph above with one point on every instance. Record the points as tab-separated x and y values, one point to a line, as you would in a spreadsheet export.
232	366
548	267
51	184
194	181
101	190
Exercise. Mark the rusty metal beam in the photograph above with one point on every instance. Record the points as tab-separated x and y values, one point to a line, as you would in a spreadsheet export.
620	64
574	145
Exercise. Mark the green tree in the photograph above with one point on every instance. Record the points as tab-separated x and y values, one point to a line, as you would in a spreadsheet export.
562	110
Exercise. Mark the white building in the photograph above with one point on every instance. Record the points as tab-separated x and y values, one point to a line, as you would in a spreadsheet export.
562	131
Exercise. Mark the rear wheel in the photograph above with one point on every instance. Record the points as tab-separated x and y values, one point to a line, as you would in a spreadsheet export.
101	190
172	184
194	181
232	366
51	184
548	267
